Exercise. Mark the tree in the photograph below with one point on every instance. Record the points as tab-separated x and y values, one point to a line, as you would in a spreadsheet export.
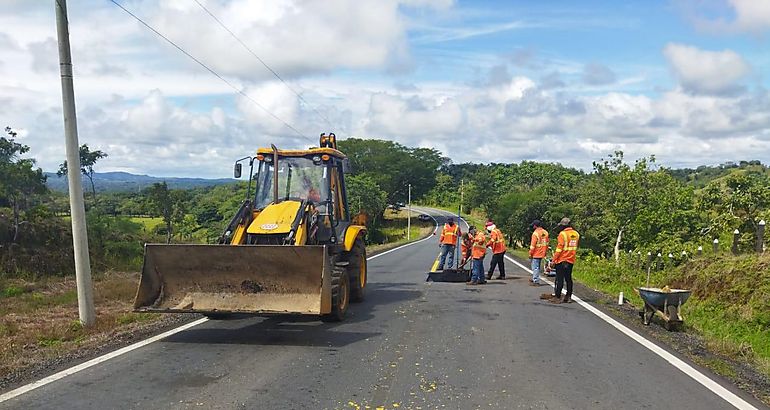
19	180
639	203
393	166
88	160
735	202
364	195
169	205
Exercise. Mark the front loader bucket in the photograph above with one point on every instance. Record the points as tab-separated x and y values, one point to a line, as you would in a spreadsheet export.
240	279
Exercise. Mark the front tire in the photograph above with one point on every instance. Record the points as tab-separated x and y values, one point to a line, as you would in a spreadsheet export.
340	293
357	271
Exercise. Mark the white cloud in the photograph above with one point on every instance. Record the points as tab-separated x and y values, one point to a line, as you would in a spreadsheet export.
749	16
708	72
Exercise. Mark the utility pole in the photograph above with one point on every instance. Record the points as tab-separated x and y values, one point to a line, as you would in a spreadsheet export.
409	216
77	208
462	194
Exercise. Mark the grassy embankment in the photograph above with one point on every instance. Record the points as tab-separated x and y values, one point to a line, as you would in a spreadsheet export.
38	319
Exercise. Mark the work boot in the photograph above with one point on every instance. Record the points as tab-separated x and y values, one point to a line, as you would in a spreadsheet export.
489	276
500	278
555	300
567	300
472	283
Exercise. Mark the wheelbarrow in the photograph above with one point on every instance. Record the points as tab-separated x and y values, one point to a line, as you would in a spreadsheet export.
666	303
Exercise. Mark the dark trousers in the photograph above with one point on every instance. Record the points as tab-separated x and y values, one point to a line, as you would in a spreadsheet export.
497	260
563	273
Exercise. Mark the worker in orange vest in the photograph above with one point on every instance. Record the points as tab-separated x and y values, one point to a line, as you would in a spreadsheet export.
497	243
465	248
538	247
478	250
564	259
448	243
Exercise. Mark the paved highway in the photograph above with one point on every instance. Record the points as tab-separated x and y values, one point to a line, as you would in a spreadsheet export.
411	344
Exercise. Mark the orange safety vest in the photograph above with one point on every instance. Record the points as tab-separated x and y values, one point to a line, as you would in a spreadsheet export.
479	246
449	234
539	244
466	244
497	241
566	247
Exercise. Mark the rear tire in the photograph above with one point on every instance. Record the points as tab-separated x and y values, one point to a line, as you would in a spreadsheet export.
340	293
357	271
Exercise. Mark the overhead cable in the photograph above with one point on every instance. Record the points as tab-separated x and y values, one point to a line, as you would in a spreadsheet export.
274	72
210	70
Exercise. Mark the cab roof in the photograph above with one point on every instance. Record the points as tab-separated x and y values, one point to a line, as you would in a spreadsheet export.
301	153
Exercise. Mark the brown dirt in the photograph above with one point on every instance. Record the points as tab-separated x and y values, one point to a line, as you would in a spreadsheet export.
40	332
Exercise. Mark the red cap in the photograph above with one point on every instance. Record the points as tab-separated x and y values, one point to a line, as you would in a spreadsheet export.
489	223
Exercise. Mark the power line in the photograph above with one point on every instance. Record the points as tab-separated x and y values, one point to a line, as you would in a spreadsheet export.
238	90
274	72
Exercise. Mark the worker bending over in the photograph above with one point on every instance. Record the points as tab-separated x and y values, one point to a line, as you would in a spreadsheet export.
478	250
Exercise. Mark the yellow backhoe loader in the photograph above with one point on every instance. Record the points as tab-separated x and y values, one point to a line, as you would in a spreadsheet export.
290	248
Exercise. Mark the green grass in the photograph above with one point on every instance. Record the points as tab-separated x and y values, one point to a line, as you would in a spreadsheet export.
149	224
131	317
11	291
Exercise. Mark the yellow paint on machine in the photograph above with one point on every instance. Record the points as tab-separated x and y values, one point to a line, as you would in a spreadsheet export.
351	234
276	218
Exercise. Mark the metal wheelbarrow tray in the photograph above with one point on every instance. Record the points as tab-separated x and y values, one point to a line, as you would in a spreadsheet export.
665	303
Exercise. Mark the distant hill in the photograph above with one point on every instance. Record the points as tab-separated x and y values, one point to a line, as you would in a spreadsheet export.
126	182
701	176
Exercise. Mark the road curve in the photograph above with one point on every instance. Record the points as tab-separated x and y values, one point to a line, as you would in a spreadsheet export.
411	344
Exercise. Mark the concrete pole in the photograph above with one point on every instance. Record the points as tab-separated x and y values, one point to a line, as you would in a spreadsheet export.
760	236
77	208
700	250
736	238
670	259
462	195
716	246
409	216
659	261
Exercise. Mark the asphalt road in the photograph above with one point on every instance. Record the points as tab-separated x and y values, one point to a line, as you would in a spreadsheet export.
411	344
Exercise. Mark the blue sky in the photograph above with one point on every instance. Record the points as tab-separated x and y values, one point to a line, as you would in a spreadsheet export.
482	81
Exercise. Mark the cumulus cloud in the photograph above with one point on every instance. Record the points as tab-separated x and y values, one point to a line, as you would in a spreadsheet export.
598	74
707	72
750	16
294	37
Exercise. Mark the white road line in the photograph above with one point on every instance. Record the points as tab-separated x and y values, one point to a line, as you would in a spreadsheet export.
72	370
101	359
710	384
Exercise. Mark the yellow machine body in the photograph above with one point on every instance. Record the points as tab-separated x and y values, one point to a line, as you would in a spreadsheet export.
269	260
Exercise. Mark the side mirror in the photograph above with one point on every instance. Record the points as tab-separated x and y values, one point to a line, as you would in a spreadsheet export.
237	170
346	169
